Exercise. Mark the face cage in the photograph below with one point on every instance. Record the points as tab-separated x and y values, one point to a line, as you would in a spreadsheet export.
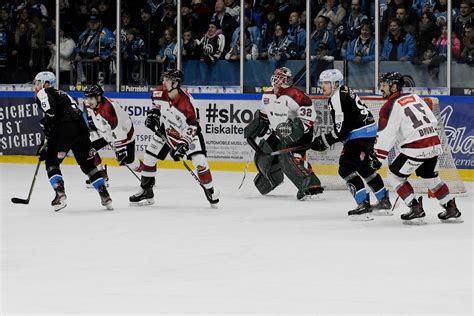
279	80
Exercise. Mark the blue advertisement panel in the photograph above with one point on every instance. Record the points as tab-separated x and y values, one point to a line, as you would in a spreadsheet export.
20	133
457	114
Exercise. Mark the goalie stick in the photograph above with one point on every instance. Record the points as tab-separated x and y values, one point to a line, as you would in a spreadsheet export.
259	151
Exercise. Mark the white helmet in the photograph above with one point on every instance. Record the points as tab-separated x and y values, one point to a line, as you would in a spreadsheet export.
334	76
45	76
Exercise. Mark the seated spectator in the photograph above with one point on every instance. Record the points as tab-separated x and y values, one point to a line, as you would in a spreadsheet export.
398	44
322	44
442	44
66	51
268	29
254	31
467	51
466	16
297	34
150	30
233	8
350	27
281	48
362	49
227	22
407	20
126	25
428	31
250	49
212	44
190	49
22	49
39	10
169	49
334	12
430	58
38	59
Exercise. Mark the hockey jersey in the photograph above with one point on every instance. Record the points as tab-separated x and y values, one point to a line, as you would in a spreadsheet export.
58	106
112	123
287	104
351	117
406	120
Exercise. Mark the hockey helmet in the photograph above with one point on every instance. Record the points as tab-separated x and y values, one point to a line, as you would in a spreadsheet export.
282	76
334	76
393	78
175	75
94	91
45	77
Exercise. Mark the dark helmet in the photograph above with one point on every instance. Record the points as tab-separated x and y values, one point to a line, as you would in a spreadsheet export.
94	91
175	75
393	78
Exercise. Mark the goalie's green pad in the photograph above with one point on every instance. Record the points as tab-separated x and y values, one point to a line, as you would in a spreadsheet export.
294	168
269	174
297	131
256	128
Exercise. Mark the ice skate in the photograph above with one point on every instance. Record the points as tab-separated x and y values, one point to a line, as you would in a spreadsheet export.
451	213
59	201
105	198
383	207
312	193
416	214
363	212
142	197
214	197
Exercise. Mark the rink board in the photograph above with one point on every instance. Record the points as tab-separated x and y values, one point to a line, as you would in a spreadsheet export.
222	119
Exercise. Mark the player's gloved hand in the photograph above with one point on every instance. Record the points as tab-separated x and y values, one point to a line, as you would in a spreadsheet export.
47	126
284	129
318	144
374	162
42	149
180	151
121	155
152	120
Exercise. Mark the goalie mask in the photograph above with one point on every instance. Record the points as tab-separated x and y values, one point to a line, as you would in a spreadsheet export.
282	77
42	78
330	80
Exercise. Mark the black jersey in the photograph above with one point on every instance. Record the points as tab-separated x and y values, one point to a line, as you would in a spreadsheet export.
58	106
351	117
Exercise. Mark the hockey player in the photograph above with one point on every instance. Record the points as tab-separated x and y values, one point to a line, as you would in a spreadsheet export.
113	125
174	121
65	130
289	114
407	120
354	125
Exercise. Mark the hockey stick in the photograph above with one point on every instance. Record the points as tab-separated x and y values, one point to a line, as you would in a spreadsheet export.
16	200
133	172
289	150
245	171
206	191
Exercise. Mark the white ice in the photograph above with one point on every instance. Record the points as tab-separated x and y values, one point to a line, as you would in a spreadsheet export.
255	254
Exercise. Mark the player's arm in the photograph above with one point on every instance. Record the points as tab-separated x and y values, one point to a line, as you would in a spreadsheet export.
390	120
48	105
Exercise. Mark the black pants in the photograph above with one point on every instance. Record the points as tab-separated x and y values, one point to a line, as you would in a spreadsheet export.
72	135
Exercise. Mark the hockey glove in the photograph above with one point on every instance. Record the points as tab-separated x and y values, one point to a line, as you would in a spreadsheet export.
318	144
374	162
47	126
153	119
179	152
121	155
42	149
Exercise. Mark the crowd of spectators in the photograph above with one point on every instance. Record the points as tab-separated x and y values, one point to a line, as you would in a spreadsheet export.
410	31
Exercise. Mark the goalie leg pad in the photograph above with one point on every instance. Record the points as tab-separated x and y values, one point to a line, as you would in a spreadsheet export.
269	174
295	169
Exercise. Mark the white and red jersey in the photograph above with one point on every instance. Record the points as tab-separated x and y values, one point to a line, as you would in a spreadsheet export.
287	104
178	116
112	123
406	120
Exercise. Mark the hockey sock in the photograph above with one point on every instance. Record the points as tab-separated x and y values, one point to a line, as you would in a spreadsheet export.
54	175
405	191
376	184
203	172
439	189
356	187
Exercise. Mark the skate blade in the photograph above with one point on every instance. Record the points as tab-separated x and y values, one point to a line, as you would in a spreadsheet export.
415	221
382	213
453	220
143	203
361	218
109	207
314	197
214	205
59	207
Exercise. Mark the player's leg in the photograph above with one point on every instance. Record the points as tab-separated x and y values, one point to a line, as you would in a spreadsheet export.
428	171
156	149
399	171
374	180
270	174
349	164
197	154
85	154
102	170
52	163
299	171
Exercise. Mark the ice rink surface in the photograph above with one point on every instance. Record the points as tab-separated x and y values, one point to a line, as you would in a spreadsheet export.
254	254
